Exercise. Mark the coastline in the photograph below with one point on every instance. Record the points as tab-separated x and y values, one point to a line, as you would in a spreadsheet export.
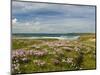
59	38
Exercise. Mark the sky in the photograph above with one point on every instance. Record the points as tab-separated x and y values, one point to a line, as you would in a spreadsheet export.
29	17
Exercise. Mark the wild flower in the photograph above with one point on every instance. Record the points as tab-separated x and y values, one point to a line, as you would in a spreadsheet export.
56	43
69	60
29	52
25	60
21	53
55	61
15	68
67	48
39	62
18	53
16	60
63	60
77	48
80	68
39	53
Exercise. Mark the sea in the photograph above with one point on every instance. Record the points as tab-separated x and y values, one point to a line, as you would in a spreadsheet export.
68	36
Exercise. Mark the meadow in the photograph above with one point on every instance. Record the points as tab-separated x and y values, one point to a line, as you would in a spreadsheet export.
45	55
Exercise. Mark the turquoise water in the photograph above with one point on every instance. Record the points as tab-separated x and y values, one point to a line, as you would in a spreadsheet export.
45	36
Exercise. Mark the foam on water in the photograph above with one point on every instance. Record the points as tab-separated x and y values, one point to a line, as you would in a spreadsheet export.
61	37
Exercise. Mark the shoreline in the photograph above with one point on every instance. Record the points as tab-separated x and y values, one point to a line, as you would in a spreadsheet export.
59	38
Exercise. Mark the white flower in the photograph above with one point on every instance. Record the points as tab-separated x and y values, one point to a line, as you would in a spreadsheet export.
69	60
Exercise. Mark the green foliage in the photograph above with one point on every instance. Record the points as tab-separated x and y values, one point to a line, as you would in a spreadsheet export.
57	57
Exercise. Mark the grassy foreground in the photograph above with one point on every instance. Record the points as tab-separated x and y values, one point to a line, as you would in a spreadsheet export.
34	55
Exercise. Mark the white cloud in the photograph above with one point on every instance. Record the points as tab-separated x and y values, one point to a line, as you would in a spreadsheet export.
14	21
60	26
66	22
25	7
37	23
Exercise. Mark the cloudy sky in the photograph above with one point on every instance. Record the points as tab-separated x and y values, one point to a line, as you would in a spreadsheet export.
52	18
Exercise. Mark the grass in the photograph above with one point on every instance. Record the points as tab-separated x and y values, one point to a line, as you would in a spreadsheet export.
82	52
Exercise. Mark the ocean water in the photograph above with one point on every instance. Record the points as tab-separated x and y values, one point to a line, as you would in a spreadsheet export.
45	36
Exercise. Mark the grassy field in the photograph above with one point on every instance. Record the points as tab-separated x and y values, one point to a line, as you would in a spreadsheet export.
42	55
